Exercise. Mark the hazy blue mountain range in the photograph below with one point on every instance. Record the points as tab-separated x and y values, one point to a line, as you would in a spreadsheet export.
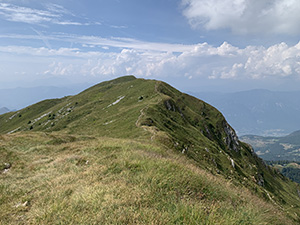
276	148
17	98
4	110
259	112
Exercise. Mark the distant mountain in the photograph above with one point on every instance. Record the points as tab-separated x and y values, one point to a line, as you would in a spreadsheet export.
4	110
258	112
276	148
17	98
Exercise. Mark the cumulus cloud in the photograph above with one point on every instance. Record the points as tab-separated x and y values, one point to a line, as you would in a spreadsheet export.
245	16
144	59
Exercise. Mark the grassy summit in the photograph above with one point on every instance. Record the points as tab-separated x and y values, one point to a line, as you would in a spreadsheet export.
134	151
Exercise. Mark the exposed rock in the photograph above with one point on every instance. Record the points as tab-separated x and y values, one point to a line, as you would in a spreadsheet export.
24	204
181	113
5	170
231	138
260	180
214	162
170	105
232	163
185	149
6	167
208	134
114	103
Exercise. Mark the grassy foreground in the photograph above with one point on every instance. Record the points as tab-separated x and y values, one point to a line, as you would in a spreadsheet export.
55	178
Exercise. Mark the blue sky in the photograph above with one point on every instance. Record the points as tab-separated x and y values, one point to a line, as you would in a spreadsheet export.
195	45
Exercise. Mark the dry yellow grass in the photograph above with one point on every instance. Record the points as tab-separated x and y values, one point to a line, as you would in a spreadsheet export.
62	179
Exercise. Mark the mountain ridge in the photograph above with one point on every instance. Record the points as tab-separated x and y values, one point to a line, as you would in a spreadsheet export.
153	112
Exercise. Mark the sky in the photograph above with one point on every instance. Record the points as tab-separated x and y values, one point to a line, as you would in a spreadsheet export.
194	45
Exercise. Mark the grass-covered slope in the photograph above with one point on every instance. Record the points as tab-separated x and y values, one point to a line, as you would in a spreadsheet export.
143	120
105	109
69	179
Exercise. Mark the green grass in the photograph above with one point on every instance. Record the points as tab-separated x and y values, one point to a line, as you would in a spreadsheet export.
135	151
87	180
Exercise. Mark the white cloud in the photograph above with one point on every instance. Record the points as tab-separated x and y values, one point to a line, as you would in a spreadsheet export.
116	42
245	16
46	52
277	60
52	14
23	14
118	27
162	60
60	69
70	23
58	9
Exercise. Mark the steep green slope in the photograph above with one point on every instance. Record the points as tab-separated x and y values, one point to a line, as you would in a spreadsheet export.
155	113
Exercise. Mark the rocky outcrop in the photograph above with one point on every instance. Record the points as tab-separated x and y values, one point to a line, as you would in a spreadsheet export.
231	139
260	180
6	167
170	105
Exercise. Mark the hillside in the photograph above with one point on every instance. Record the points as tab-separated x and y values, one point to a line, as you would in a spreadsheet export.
258	112
276	148
135	151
